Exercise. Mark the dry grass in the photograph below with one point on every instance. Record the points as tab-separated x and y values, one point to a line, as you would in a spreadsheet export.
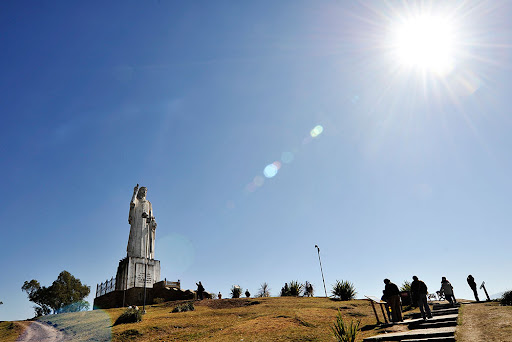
262	319
485	322
259	319
9	331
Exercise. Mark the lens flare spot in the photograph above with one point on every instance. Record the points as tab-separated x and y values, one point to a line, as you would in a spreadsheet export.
258	181
251	187
287	157
178	251
271	170
315	132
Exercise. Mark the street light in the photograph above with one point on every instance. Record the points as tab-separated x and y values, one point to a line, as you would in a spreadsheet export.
146	235
321	270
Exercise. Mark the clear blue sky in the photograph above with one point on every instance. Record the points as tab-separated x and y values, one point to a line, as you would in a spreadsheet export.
410	175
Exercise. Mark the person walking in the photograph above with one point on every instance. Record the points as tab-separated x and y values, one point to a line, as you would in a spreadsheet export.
472	284
392	294
447	289
419	293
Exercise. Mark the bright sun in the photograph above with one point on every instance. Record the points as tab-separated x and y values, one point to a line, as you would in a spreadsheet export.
425	42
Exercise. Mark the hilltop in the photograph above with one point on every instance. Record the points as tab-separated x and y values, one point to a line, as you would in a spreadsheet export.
255	319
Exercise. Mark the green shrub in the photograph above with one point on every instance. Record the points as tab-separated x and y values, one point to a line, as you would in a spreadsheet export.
285	290
236	291
296	288
189	306
129	316
406	286
247	293
158	300
343	290
342	332
506	298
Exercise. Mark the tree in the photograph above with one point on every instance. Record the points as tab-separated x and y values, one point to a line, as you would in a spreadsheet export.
66	294
264	290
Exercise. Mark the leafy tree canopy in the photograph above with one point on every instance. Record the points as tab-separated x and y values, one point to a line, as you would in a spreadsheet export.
66	294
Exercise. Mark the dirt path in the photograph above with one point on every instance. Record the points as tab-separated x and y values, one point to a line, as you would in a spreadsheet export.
38	332
485	322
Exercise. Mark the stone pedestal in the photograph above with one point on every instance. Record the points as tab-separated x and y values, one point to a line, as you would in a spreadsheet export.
130	273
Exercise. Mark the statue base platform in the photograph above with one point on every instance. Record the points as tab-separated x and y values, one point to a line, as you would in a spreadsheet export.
131	272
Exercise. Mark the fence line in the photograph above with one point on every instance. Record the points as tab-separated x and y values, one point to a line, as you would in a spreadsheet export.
106	287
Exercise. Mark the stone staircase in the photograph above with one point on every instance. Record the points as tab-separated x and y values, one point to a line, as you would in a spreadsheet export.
440	328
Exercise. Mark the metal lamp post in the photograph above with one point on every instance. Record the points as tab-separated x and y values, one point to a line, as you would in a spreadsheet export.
145	216
321	270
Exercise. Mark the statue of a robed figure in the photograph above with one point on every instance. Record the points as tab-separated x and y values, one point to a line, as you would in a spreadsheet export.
141	242
139	268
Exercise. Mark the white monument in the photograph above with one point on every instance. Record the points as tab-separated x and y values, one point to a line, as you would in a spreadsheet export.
140	262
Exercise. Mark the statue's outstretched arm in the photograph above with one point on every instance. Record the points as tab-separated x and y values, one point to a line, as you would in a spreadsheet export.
132	203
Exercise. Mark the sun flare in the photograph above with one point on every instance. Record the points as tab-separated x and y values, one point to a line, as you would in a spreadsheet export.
425	42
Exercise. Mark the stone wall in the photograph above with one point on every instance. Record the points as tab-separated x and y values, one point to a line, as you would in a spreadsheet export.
135	296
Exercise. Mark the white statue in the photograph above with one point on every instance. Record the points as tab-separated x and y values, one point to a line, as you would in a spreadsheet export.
142	225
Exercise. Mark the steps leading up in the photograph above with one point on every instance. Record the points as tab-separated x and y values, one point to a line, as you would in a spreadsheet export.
420	334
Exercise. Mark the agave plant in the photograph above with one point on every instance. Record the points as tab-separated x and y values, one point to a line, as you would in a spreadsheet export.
296	288
344	290
343	332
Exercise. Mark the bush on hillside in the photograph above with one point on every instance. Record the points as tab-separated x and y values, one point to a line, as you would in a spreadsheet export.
189	306
343	290
130	315
236	291
506	299
308	289
264	291
296	288
406	286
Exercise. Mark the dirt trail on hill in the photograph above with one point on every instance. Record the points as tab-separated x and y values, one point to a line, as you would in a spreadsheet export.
38	332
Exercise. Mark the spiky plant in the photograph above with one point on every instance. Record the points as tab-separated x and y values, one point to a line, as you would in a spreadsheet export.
406	286
343	332
344	290
264	291
296	288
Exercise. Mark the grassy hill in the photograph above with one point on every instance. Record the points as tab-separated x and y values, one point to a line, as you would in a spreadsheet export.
258	319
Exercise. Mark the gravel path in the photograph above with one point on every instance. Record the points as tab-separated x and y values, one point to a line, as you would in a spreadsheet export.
38	332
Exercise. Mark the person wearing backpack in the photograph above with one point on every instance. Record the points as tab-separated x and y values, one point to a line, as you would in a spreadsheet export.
419	293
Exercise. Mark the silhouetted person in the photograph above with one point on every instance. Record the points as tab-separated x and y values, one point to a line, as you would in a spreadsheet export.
220	295
447	289
392	294
472	284
200	290
419	293
383	298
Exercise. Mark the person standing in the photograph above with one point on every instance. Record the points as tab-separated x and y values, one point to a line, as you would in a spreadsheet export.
419	293
200	290
447	289
472	284
392	294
